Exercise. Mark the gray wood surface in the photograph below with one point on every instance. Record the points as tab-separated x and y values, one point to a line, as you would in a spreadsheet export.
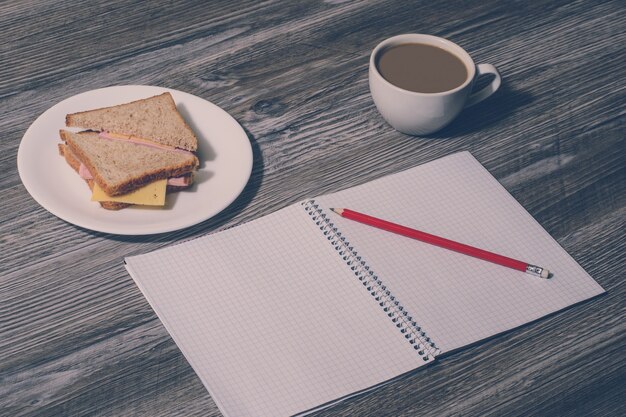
78	338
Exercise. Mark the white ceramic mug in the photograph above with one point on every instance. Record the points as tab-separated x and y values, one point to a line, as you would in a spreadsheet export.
423	113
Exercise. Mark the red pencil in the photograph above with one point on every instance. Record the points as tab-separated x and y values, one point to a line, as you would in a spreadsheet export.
444	243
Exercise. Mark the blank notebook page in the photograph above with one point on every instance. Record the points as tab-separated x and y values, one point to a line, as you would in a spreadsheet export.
458	299
270	318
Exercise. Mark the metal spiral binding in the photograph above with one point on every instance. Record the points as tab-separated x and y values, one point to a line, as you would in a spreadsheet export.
414	334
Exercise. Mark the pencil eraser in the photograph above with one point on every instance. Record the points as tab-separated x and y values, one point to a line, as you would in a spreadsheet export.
545	273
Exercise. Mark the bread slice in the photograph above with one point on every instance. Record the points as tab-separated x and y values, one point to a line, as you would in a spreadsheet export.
73	161
155	118
120	167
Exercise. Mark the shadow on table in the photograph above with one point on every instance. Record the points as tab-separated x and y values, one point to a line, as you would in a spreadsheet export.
248	193
489	112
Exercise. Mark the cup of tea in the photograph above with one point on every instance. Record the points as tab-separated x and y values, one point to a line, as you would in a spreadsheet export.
420	83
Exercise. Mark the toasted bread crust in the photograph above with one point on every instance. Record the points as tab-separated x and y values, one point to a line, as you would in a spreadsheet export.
132	183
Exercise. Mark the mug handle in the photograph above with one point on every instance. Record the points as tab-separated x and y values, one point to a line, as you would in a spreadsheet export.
478	96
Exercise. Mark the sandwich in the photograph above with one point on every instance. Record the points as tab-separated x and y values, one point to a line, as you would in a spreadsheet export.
132	153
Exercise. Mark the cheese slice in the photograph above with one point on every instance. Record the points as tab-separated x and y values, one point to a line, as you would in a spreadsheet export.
152	194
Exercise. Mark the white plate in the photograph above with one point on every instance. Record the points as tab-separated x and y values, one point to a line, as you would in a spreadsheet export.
224	151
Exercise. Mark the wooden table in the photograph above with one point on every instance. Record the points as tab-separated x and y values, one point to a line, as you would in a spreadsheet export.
78	338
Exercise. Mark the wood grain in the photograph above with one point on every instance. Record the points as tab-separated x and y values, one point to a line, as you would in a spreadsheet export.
78	338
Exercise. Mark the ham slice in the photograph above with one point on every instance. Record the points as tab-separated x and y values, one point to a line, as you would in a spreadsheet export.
84	173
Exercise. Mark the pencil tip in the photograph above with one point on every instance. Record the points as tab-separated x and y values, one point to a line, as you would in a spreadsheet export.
337	210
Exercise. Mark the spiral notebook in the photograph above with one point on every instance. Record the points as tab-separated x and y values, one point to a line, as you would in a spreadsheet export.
301	308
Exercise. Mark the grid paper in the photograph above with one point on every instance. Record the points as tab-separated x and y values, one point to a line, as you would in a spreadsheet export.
270	318
455	298
274	322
